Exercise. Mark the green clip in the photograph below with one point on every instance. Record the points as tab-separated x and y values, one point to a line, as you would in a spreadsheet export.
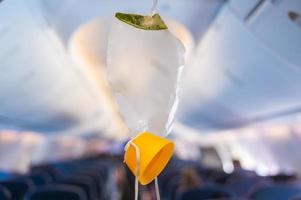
153	22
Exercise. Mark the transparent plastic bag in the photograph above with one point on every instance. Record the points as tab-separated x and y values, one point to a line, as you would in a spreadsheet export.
143	71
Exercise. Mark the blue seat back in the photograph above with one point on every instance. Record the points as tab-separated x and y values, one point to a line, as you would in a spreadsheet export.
85	183
56	191
243	187
17	189
206	193
5	194
5	176
276	193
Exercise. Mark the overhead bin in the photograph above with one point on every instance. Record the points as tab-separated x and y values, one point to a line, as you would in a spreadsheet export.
243	8
276	23
237	78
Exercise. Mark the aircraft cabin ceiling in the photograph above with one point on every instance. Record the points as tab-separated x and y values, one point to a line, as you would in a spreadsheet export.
245	66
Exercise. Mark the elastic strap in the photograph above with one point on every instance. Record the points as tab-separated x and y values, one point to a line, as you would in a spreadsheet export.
155	3
137	169
157	188
138	173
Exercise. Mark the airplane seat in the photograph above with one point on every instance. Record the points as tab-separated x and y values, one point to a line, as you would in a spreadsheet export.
56	191
90	174
96	177
214	175
5	194
100	170
94	186
83	182
63	169
173	191
206	193
172	187
242	174
17	188
167	184
7	175
243	187
47	169
101	174
37	178
284	178
298	197
276	192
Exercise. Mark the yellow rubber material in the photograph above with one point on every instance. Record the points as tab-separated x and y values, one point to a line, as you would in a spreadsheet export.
155	152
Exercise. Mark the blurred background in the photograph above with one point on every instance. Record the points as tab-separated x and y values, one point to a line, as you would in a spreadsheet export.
240	99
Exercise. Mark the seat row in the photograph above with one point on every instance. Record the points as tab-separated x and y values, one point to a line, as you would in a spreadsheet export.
75	180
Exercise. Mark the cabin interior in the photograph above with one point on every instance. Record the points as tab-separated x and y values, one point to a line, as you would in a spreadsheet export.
231	105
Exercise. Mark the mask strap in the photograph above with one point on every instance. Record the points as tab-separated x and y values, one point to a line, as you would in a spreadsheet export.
157	188
137	169
155	3
138	172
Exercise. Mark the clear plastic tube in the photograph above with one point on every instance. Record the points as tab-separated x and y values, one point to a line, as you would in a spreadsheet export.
155	3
